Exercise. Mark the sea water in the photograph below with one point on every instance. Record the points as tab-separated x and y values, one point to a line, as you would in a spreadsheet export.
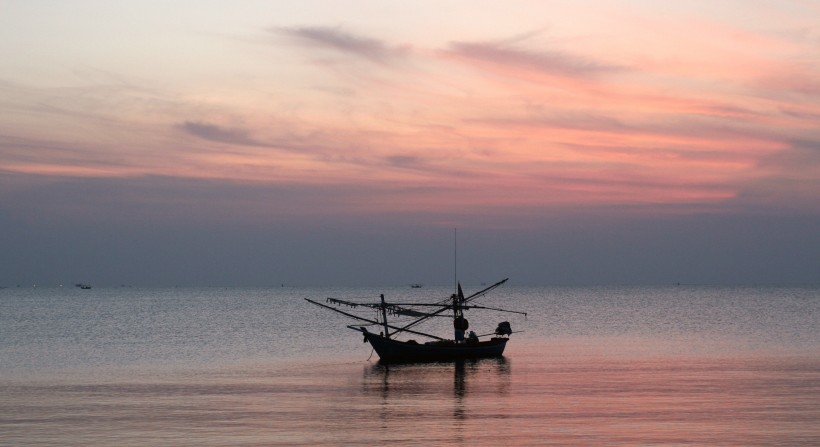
671	365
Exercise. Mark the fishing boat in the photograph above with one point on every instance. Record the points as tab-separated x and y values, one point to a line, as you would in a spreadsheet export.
392	350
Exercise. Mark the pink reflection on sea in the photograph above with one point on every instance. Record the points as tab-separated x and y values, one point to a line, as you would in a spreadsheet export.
577	400
567	394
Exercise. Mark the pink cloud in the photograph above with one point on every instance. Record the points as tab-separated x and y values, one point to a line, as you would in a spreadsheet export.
344	42
477	124
550	62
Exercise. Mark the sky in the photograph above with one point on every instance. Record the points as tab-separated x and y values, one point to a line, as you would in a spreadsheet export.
253	143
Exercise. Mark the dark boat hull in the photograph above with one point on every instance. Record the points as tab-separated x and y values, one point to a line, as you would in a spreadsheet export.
395	351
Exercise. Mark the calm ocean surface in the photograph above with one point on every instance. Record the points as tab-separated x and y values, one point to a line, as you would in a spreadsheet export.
678	365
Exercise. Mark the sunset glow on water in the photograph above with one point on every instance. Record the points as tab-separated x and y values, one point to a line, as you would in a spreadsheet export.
223	367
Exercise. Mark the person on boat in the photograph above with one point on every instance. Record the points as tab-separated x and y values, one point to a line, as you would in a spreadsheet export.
460	324
472	337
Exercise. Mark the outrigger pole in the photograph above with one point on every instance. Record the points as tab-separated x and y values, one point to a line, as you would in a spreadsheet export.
404	311
373	321
406	328
496	309
446	307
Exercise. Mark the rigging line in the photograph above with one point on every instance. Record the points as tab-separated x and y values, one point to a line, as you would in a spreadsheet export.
493	333
486	290
370	321
473	296
496	309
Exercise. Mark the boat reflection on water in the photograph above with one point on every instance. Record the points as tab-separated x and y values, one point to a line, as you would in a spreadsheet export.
446	392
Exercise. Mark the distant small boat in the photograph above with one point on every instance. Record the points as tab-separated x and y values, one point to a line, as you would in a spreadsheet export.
415	286
83	286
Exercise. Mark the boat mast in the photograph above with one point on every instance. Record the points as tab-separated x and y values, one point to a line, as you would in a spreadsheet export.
458	303
384	318
458	295
459	323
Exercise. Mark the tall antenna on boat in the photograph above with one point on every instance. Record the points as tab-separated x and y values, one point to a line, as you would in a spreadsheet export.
455	260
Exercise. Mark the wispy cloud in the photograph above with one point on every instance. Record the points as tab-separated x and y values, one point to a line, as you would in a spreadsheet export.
785	180
800	114
220	134
341	41
562	120
545	61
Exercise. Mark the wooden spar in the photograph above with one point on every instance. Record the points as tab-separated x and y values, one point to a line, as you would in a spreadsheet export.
496	309
341	312
393	307
398	329
493	333
439	304
482	292
446	307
